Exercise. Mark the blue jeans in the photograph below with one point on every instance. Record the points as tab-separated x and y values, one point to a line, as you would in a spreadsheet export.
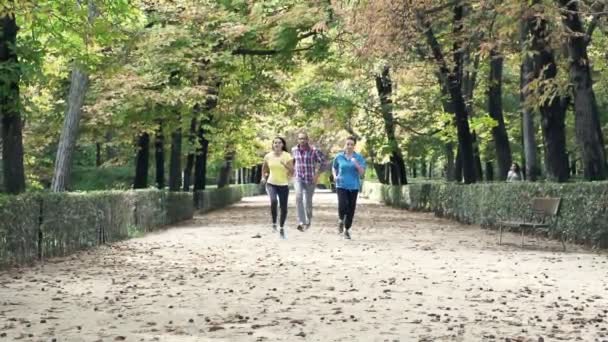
304	192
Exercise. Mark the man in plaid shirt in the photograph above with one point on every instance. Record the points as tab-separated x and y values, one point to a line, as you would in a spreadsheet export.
309	161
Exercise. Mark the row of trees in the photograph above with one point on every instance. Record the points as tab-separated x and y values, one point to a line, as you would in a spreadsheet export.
453	38
429	86
189	77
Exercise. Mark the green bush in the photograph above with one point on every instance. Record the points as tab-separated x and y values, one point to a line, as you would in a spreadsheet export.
102	178
19	229
42	225
583	215
208	200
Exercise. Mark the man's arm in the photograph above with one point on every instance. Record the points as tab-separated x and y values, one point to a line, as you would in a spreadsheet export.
321	160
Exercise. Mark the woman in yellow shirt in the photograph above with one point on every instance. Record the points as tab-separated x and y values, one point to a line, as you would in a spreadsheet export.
276	170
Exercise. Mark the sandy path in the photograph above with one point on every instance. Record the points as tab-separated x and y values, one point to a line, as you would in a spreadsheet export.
404	277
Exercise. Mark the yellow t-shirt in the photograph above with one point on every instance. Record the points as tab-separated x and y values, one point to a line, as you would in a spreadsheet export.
278	173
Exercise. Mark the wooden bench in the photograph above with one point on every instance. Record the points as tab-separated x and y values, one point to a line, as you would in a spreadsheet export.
543	217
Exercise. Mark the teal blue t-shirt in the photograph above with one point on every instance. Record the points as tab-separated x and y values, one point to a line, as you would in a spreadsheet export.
348	177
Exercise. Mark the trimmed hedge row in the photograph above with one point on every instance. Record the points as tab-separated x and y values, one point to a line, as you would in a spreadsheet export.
42	225
583	216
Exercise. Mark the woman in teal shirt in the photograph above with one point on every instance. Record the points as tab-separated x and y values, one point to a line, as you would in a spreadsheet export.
347	168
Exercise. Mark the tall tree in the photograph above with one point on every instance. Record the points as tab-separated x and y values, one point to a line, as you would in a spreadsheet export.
385	89
142	161
532	169
159	156
552	105
499	132
587	123
190	158
79	83
175	163
12	136
465	141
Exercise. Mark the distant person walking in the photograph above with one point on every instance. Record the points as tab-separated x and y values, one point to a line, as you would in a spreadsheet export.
276	170
347	169
514	174
308	162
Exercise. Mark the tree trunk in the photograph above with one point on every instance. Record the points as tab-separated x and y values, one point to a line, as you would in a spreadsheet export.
79	83
573	166
477	154
190	158
553	108
226	169
465	142
98	154
175	163
111	151
587	123
490	172
423	168
532	170
380	173
458	167
142	161
12	136
385	90
200	161
159	156
450	172
499	133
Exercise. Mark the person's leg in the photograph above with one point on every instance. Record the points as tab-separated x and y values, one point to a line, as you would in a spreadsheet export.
299	188
272	194
342	203
310	191
350	210
283	192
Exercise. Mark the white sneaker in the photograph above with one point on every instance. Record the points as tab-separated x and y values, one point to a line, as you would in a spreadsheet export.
283	234
274	228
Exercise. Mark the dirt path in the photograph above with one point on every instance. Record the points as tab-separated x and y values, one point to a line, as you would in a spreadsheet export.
404	277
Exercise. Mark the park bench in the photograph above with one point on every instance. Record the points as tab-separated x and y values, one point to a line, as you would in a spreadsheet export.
542	218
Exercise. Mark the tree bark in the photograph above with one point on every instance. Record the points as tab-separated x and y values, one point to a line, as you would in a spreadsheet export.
190	158
79	83
12	135
499	133
175	163
385	90
587	123
142	161
159	156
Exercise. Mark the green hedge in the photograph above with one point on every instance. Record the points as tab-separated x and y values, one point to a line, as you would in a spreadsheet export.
42	225
583	214
208	200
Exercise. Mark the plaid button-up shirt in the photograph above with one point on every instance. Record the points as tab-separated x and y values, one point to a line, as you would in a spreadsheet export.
305	159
